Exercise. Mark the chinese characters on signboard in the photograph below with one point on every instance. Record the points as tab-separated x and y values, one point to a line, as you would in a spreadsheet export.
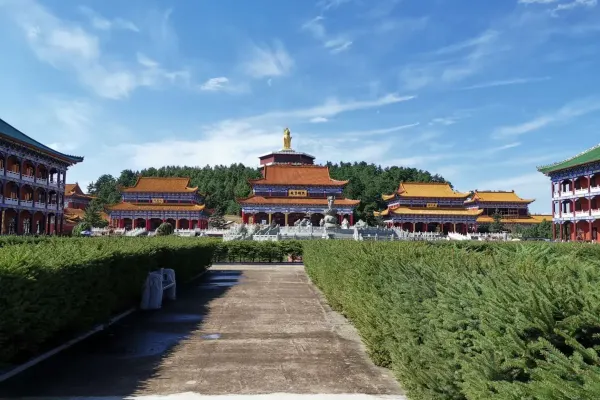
158	201
432	205
297	193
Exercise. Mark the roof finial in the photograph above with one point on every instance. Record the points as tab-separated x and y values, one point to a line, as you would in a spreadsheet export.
287	139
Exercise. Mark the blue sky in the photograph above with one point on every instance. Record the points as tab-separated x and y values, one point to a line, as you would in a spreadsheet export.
481	92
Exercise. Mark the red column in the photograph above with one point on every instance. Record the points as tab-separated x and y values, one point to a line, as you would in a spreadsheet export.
244	218
553	231
147	224
352	219
121	223
177	223
589	235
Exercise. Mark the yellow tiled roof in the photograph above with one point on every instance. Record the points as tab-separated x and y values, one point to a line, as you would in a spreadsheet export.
429	189
532	219
161	185
497	197
435	211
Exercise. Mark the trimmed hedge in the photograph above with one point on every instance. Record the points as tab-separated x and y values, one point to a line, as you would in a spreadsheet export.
62	286
471	321
251	251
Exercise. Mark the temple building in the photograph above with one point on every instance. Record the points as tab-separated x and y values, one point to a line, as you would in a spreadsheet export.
429	207
33	184
292	188
575	189
513	209
76	202
152	201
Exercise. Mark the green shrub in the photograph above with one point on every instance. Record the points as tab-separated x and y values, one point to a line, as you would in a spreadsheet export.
471	321
164	229
81	227
251	251
61	286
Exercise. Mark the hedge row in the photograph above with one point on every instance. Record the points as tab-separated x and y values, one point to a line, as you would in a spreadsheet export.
250	251
459	321
62	286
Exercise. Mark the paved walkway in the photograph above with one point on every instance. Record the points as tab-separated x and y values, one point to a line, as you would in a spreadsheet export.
242	330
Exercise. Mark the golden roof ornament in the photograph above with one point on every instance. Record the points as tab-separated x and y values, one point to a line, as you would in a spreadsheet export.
287	139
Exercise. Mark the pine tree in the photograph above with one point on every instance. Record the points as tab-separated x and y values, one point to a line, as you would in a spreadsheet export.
497	225
217	221
92	215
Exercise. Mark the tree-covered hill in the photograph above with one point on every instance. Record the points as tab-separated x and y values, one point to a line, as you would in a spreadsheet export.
222	184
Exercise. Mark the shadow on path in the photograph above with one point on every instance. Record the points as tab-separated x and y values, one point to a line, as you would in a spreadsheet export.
119	360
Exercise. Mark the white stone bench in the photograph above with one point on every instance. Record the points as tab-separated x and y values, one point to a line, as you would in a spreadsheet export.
158	284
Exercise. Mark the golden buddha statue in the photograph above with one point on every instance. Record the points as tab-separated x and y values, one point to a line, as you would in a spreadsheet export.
287	139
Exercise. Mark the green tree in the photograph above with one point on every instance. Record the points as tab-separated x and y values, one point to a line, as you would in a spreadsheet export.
105	190
93	215
217	221
164	229
80	227
497	225
544	229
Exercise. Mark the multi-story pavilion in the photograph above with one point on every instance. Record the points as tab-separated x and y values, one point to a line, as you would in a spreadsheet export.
429	207
292	187
513	209
76	202
152	201
33	181
575	189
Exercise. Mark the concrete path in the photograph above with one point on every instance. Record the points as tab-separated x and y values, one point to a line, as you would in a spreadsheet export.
246	331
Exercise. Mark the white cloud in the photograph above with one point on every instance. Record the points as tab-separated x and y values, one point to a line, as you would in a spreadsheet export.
101	23
476	52
215	84
68	47
268	61
574	4
537	1
318	120
335	44
533	185
383	131
330	4
569	111
506	82
333	107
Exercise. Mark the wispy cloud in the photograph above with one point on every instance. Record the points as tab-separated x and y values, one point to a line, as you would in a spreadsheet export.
101	23
268	61
375	132
569	111
333	107
331	4
469	56
215	84
318	120
69	47
562	5
506	82
335	44
574	4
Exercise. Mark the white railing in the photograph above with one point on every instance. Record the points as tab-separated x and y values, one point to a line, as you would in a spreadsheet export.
567	214
13	174
29	178
581	191
596	212
28	203
556	195
595	189
581	213
556	215
43	181
458	236
52	206
185	232
1	171
136	232
40	204
53	183
8	200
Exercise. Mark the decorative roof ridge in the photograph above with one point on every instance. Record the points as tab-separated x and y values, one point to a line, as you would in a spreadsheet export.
493	191
35	142
568	159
